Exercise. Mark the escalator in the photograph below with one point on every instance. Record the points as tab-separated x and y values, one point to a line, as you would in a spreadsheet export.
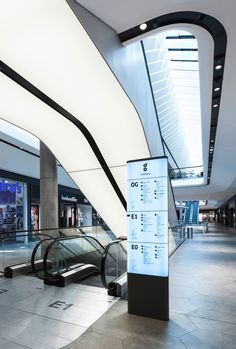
187	213
16	247
191	212
195	214
70	259
75	258
59	260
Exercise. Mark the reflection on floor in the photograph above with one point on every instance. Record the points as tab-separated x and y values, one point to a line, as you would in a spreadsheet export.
202	303
47	317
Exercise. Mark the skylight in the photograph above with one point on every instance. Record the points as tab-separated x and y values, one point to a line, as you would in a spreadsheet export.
172	60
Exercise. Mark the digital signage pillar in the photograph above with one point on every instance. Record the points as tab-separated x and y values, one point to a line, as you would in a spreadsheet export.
148	257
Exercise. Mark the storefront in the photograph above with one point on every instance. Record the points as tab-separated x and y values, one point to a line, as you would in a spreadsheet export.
74	209
13	205
34	213
207	215
226	214
20	205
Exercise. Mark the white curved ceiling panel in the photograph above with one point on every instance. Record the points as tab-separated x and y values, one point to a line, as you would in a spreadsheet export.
20	107
44	42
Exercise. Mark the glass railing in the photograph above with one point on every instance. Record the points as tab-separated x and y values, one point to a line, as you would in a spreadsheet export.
176	237
16	248
101	233
187	176
186	172
114	262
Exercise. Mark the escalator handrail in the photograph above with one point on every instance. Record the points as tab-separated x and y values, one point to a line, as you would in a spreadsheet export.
35	250
59	240
103	262
34	253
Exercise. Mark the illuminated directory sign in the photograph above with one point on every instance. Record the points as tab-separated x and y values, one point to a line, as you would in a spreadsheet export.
148	217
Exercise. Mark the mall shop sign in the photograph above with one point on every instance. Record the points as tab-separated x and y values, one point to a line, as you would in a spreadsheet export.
10	187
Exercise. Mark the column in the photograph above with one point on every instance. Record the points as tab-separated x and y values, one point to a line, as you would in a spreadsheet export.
48	189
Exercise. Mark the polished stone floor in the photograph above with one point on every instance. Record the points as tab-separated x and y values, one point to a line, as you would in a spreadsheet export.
202	303
37	316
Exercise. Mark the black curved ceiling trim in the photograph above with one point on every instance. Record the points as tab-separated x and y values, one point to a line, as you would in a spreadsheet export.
218	33
13	75
19	148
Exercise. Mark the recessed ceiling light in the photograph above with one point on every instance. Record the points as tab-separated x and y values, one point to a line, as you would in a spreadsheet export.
217	89
218	67
215	105
143	26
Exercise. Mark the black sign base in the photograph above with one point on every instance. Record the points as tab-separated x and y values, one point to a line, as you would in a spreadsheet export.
148	296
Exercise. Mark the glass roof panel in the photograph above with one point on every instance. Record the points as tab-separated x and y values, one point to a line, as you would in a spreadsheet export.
181	43
172	59
184	66
183	55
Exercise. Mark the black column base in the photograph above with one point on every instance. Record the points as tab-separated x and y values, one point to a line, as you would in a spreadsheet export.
148	296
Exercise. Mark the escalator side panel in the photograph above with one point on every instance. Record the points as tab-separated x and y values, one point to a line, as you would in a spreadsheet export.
70	276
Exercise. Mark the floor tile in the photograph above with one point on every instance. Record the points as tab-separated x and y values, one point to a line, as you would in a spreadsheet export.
147	342
213	325
48	317
92	340
4	344
205	339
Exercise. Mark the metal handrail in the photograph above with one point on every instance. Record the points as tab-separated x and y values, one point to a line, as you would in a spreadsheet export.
22	235
49	229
